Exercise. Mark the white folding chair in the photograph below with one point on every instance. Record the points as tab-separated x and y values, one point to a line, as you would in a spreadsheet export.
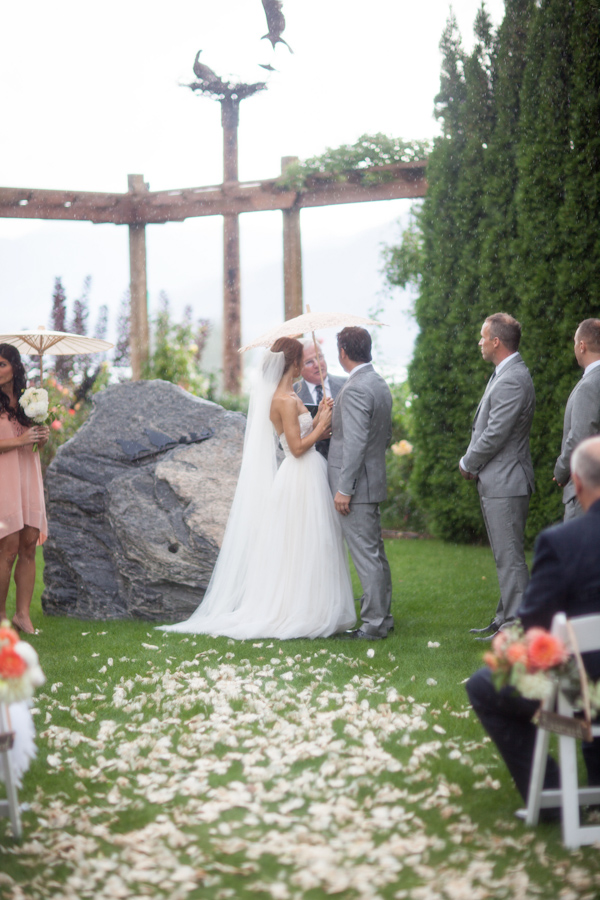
569	797
10	806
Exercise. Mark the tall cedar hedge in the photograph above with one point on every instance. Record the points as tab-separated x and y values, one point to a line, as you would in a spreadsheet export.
511	222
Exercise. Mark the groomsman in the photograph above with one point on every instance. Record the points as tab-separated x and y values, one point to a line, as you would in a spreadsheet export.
310	389
361	431
582	413
499	460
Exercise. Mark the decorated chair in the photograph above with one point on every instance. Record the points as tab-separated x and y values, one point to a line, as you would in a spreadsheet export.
569	797
10	806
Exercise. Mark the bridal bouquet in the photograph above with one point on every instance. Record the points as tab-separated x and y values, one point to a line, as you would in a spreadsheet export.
531	662
34	402
20	671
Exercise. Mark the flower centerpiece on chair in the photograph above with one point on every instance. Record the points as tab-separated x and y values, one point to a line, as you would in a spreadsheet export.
531	662
20	671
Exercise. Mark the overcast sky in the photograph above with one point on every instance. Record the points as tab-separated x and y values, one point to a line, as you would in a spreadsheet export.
92	92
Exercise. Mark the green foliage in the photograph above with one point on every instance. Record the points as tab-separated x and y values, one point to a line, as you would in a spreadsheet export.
177	351
510	223
400	511
368	151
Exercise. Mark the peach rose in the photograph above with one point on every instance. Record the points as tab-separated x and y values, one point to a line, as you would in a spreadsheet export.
544	650
499	643
490	661
11	664
516	653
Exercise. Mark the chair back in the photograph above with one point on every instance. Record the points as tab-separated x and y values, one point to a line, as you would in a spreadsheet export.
585	628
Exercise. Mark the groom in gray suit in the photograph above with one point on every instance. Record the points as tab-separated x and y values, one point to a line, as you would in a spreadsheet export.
582	413
499	460
361	431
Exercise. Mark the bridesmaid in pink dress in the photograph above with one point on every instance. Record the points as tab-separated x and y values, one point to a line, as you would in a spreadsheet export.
22	510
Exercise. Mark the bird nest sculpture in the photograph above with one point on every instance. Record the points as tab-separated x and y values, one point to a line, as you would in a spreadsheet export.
212	85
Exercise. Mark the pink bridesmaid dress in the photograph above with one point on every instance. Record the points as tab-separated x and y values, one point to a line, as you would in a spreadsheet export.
21	486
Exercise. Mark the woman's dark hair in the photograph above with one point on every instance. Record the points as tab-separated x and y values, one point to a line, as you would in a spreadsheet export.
356	342
292	351
12	355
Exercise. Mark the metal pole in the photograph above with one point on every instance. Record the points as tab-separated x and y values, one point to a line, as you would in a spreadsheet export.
292	256
232	330
139	331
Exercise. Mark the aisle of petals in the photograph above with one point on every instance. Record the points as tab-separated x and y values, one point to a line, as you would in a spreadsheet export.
216	777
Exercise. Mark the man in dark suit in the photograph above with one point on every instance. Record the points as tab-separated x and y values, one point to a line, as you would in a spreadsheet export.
310	389
565	578
582	413
498	459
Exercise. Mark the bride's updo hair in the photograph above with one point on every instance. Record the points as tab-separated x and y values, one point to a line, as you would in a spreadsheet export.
292	351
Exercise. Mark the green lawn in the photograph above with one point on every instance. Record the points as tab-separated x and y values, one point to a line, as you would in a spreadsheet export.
179	766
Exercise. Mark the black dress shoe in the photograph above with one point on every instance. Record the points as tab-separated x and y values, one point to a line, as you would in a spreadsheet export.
359	635
493	626
490	636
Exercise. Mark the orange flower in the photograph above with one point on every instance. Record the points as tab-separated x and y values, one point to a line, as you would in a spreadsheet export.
11	664
544	650
71	412
8	635
516	653
57	425
490	661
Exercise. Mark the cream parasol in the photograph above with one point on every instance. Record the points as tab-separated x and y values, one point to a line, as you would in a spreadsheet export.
58	343
309	322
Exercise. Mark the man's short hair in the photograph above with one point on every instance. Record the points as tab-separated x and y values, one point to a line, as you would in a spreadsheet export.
585	462
307	342
356	342
589	331
507	329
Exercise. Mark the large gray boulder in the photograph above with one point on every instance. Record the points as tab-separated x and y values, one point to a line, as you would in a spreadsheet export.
139	537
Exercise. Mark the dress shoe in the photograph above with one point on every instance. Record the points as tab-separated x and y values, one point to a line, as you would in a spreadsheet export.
359	635
493	626
490	636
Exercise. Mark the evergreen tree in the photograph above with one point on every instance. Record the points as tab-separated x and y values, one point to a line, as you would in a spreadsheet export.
121	356
58	322
446	374
79	325
509	58
542	160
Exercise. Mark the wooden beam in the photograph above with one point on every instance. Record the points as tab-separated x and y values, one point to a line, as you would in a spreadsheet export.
138	289
292	256
407	180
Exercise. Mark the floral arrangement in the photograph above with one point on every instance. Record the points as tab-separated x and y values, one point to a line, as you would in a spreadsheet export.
20	671
531	662
34	402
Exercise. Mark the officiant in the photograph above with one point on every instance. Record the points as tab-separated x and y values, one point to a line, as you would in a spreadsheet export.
310	387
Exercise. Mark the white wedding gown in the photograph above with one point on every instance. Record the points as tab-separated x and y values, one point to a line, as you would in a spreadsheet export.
295	579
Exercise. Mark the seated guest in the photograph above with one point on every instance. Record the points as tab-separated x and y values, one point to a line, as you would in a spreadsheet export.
309	388
565	578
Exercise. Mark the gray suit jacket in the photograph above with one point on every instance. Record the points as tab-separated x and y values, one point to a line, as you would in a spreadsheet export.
362	429
499	450
582	419
336	383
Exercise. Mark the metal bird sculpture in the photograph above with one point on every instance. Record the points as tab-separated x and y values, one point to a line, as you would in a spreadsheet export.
202	72
268	67
275	23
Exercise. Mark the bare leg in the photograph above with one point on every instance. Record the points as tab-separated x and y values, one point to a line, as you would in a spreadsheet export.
9	547
25	577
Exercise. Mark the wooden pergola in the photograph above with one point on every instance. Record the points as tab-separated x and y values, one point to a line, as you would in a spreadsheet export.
139	207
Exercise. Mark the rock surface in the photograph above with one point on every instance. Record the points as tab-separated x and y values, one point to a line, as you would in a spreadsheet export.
139	539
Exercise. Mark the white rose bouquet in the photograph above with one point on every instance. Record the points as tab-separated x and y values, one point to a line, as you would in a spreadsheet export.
34	402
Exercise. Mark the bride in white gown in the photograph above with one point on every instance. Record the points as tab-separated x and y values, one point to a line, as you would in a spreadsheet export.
283	568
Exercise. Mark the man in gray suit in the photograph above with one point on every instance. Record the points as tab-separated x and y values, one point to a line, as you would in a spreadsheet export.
499	460
582	413
361	431
310	389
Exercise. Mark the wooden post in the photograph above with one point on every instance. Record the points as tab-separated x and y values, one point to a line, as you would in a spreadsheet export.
232	328
292	256
139	333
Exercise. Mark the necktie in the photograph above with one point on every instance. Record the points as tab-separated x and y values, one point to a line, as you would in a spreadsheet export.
319	392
